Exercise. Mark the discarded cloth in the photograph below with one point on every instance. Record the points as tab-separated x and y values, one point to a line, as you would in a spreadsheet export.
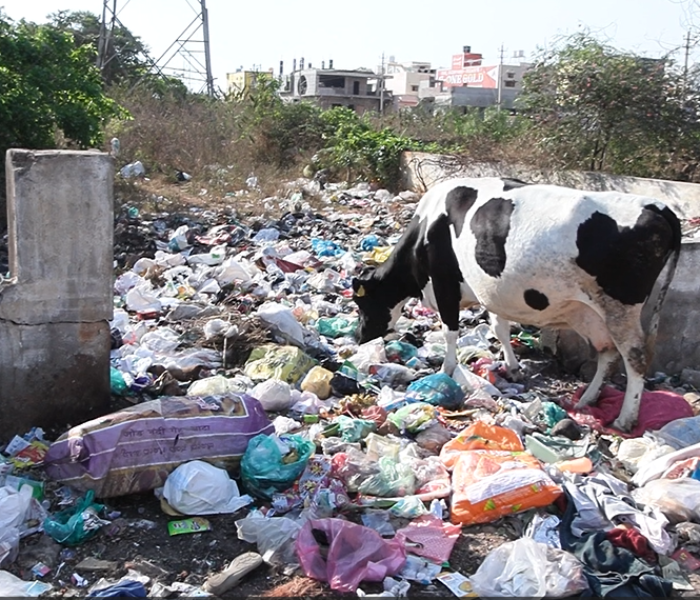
603	501
634	541
612	572
656	409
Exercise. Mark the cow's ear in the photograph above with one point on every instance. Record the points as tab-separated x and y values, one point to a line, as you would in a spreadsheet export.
360	285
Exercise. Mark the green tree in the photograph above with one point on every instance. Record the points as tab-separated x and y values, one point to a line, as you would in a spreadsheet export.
601	109
49	86
125	56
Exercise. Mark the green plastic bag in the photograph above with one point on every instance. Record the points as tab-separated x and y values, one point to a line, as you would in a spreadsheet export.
272	464
77	524
335	327
116	382
393	480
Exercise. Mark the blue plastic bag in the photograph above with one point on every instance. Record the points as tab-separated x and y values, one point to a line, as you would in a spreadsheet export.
438	389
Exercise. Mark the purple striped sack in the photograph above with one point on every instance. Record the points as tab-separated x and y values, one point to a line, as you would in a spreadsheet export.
133	450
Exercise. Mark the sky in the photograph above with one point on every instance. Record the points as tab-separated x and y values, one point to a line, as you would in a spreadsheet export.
258	34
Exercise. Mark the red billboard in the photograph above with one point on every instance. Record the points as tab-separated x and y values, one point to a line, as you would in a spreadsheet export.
481	77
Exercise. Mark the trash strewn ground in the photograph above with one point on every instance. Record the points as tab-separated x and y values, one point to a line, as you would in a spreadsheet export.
247	419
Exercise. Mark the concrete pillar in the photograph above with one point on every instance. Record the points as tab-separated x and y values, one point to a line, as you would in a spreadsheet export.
54	311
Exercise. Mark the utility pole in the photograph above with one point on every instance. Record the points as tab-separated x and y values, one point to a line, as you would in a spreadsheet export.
207	53
500	79
685	63
381	89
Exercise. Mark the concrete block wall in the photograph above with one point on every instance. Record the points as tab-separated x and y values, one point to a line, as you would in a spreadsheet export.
678	342
422	170
56	307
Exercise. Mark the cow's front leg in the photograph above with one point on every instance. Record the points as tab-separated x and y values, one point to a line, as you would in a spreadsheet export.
501	329
450	363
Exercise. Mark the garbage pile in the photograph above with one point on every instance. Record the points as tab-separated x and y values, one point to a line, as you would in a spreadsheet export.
240	390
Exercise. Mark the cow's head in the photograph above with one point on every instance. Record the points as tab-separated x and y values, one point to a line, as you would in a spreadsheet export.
374	306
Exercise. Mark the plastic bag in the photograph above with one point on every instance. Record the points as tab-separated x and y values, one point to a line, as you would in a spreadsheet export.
283	319
270	361
14	506
274	536
681	433
318	381
116	382
473	385
414	417
335	327
273	394
438	389
217	385
490	484
677	499
272	464
394	479
77	524
199	488
527	569
435	538
14	587
369	353
345	554
397	351
635	451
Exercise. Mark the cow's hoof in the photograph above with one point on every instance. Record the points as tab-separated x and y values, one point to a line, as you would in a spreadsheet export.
622	424
586	400
516	375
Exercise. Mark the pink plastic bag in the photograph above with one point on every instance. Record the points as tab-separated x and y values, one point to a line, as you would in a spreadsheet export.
434	538
354	553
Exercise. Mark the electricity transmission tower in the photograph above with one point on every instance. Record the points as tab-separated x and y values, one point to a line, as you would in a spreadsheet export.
191	46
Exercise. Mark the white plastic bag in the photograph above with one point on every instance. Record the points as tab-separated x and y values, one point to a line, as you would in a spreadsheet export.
528	569
472	384
218	385
677	499
283	319
200	488
11	586
657	467
635	451
274	536
274	395
369	353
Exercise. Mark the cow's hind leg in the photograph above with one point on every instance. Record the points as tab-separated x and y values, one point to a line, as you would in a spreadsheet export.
591	326
629	337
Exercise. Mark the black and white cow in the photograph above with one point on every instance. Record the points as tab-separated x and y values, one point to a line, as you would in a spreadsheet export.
541	255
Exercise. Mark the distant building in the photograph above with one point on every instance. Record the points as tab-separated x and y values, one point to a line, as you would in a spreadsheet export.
471	83
242	81
404	81
329	88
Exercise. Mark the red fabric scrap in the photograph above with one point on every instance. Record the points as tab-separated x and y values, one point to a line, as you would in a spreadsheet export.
632	540
656	409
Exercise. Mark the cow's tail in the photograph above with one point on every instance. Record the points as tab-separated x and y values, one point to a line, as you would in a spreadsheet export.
670	269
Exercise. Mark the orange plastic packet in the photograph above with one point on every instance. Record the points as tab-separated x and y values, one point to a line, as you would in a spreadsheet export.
487	485
480	436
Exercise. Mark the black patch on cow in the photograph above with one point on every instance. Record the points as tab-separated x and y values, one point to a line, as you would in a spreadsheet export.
626	261
490	226
444	271
535	299
512	184
457	204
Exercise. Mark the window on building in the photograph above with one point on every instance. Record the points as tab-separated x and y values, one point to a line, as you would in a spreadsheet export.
509	83
356	88
351	106
331	81
510	74
414	88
